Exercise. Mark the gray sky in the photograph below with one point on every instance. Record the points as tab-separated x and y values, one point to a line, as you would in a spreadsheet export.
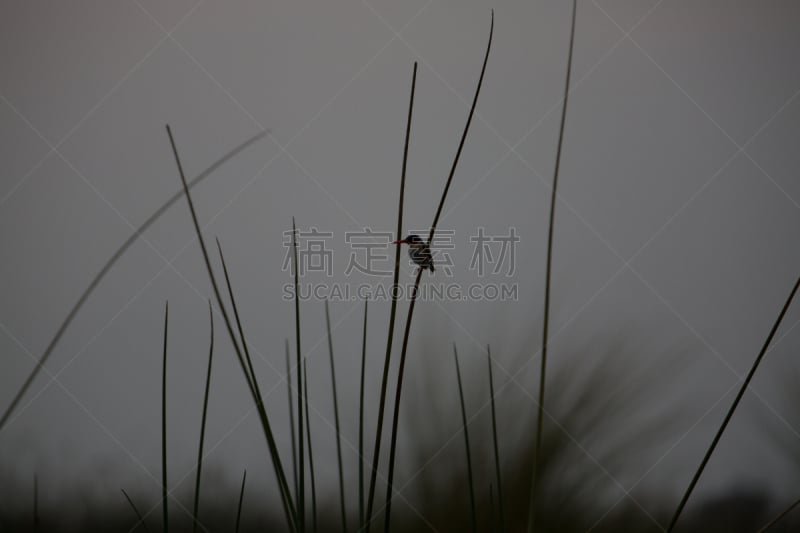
678	221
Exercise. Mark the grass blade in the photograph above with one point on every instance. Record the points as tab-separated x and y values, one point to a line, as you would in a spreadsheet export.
301	506
496	447
361	423
138	514
164	503
546	322
779	517
291	418
376	453
286	497
203	422
241	499
107	267
393	441
310	454
466	443
284	486
728	416
336	420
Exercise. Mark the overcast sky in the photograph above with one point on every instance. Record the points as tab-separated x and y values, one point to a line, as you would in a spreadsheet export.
677	226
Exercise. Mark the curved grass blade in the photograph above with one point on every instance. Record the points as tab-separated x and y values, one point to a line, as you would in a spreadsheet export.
546	322
466	443
396	417
361	423
336	420
292	433
376	452
286	497
138	514
310	454
107	267
301	493
164	503
496	447
241	499
393	442
728	416
196	507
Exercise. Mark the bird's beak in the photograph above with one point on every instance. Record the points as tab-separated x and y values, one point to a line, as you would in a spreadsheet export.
401	241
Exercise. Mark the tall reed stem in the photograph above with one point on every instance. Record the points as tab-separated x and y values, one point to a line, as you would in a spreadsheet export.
310	454
196	508
376	453
361	423
336	420
728	416
164	503
398	391
465	426
546	322
496	447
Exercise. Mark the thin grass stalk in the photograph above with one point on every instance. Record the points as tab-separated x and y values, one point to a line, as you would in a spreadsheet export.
241	499
286	497
252	371
361	422
728	416
546	321
393	442
336	420
301	506
496	447
779	517
396	416
310	454
164	503
465	425
196	508
136	511
292	432
107	267
367	518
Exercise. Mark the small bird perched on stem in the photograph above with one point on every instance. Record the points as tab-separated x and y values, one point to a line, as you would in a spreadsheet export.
419	251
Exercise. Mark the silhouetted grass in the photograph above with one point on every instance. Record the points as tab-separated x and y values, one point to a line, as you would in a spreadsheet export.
376	453
73	312
310	454
336	420
465	429
136	511
546	321
196	506
361	458
778	518
498	477
286	497
728	416
291	417
301	492
241	499
164	503
398	391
